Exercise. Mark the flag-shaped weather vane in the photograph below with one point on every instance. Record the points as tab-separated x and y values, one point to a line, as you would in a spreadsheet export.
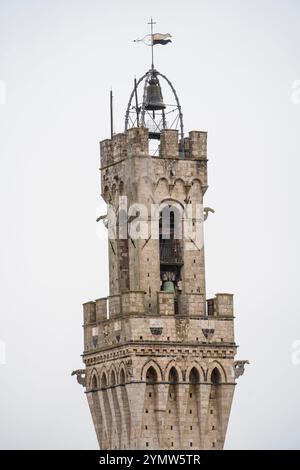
153	39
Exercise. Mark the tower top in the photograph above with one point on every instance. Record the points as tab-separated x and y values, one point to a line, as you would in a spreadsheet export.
149	110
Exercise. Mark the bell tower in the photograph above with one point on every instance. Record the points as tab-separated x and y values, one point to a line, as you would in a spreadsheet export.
159	357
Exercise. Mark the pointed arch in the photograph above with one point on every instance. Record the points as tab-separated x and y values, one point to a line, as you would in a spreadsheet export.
169	366
151	375
112	376
199	368
173	375
94	380
103	379
155	366
122	376
216	365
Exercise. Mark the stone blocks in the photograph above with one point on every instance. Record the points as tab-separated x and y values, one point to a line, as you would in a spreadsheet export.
169	143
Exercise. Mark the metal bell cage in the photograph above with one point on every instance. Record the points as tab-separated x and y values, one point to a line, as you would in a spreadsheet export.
152	107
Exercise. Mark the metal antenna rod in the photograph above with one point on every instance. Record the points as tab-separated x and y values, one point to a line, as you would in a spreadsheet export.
111	115
136	104
152	23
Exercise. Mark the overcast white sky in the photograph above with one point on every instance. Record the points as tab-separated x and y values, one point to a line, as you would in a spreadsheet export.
233	64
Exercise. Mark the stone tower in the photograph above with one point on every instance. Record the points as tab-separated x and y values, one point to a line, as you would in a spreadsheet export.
159	357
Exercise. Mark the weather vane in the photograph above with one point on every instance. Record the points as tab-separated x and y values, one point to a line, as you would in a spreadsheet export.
154	38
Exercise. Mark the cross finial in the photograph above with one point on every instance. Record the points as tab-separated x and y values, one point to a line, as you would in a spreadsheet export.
151	26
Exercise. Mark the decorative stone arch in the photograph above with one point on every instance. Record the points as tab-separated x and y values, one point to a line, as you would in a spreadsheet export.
221	370
193	183
198	367
122	376
113	373
162	179
94	379
103	378
194	180
169	366
176	207
178	184
167	201
179	179
164	185
156	367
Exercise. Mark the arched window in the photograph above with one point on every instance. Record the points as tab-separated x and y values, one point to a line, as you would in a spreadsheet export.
171	250
194	376
122	377
103	382
113	380
151	375
216	376
173	375
170	234
94	382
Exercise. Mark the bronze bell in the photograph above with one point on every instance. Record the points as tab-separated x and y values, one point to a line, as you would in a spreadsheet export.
154	99
168	286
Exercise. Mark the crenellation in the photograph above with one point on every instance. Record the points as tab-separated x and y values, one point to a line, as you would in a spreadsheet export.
89	312
198	145
119	147
221	305
114	303
133	302
169	143
195	304
101	309
106	152
137	142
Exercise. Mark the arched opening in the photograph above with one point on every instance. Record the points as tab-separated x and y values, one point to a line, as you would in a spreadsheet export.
122	379
116	432
94	382
214	408
123	253
103	381
93	399
172	430
194	376
149	423
125	426
216	376
173	375
107	409
113	380
192	422
151	375
171	250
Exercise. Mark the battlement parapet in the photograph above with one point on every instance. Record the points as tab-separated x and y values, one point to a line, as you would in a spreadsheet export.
220	306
